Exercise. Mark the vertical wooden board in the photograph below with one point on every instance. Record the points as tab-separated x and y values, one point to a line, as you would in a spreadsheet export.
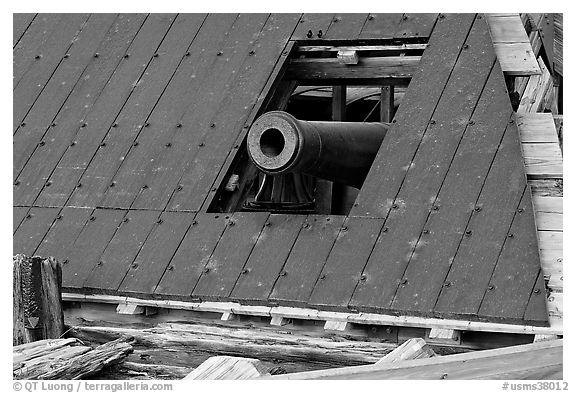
87	157
57	89
346	26
121	251
20	23
32	230
78	105
537	312
192	256
416	25
151	262
413	116
65	230
267	259
313	23
51	53
381	26
438	241
85	253
516	271
25	51
343	269
205	164
425	173
306	260
229	257
166	155
477	254
18	214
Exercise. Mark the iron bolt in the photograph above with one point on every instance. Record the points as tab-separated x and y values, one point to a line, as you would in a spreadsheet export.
283	273
245	271
320	34
471	122
155	55
212	125
267	224
231	223
322	277
385	229
466	46
96	54
103	144
28	216
112	184
73	143
426	231
83	125
490	287
136	143
53	125
23	124
187	54
521	210
537	290
37	57
92	218
126	56
206	270
179	125
134	265
468	232
59	217
477	208
66	56
370	17
79	185
17	182
252	52
146	124
447	284
168	144
194	222
510	235
363	277
42	143
219	53
145	186
115	125
394	206
201	144
126	219
432	121
179	188
48	183
404	281
159	221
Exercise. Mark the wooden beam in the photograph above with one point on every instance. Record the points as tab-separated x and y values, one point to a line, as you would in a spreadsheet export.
414	348
305	49
542	360
130	309
443	336
370	68
227	368
347	57
387	104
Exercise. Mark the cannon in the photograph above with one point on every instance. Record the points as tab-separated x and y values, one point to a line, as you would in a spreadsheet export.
342	152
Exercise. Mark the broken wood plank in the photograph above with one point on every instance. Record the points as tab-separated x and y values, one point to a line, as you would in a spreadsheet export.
227	368
517	59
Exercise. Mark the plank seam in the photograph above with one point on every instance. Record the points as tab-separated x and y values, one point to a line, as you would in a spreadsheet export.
24	32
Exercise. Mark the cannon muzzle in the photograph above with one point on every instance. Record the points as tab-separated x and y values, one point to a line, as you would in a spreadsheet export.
342	152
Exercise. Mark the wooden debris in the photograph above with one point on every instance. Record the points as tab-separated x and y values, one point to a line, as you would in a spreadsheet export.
541	360
444	336
414	348
228	367
66	358
37	299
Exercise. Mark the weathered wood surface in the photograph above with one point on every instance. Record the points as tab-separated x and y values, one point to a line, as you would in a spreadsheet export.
541	360
414	348
20	23
227	368
37	299
66	358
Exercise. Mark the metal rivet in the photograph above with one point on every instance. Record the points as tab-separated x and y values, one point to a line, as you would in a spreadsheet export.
170	268
17	182
385	229
83	125
48	183
168	144
159	221
245	271
537	290
477	209
306	226
146	124
394	206
73	143
155	55
447	284
363	277
510	235
136	143
96	54
126	219
212	125
112	184
309	34
145	186
219	53
23	124
115	125
134	265
126	56
187	54
92	218
267	224
100	263
320	34
194	222
426	231
435	207
201	144
179	125
79	185
468	232
322	277
206	270
511	121
53	125
344	229
466	46
37	57
42	143
66	56
179	188
432	121
521	210
231	223
370	17
103	144
283	273
471	122
28	216
252	52
490	287
59	217
404	281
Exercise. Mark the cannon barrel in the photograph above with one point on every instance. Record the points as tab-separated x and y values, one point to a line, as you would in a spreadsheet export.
343	152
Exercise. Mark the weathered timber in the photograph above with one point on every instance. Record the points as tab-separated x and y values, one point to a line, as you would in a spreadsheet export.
414	348
228	367
72	362
37	299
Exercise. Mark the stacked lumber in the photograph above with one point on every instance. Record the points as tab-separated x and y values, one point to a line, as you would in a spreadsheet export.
66	358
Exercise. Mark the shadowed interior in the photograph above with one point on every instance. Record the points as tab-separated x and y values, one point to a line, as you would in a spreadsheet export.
272	142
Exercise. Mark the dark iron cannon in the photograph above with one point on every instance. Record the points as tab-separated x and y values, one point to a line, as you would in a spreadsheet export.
342	152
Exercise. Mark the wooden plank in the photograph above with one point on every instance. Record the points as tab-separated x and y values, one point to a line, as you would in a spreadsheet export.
144	274
128	91
266	261
368	68
416	25
547	187
26	50
121	251
63	233
20	23
346	26
228	368
55	90
551	240
387	104
517	59
536	310
478	252
85	253
230	255
536	128
32	230
344	267
66	124
162	173
516	271
412	117
18	214
45	63
192	255
242	102
381	26
443	230
414	348
306	260
313	23
543	160
507	28
543	360
387	277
